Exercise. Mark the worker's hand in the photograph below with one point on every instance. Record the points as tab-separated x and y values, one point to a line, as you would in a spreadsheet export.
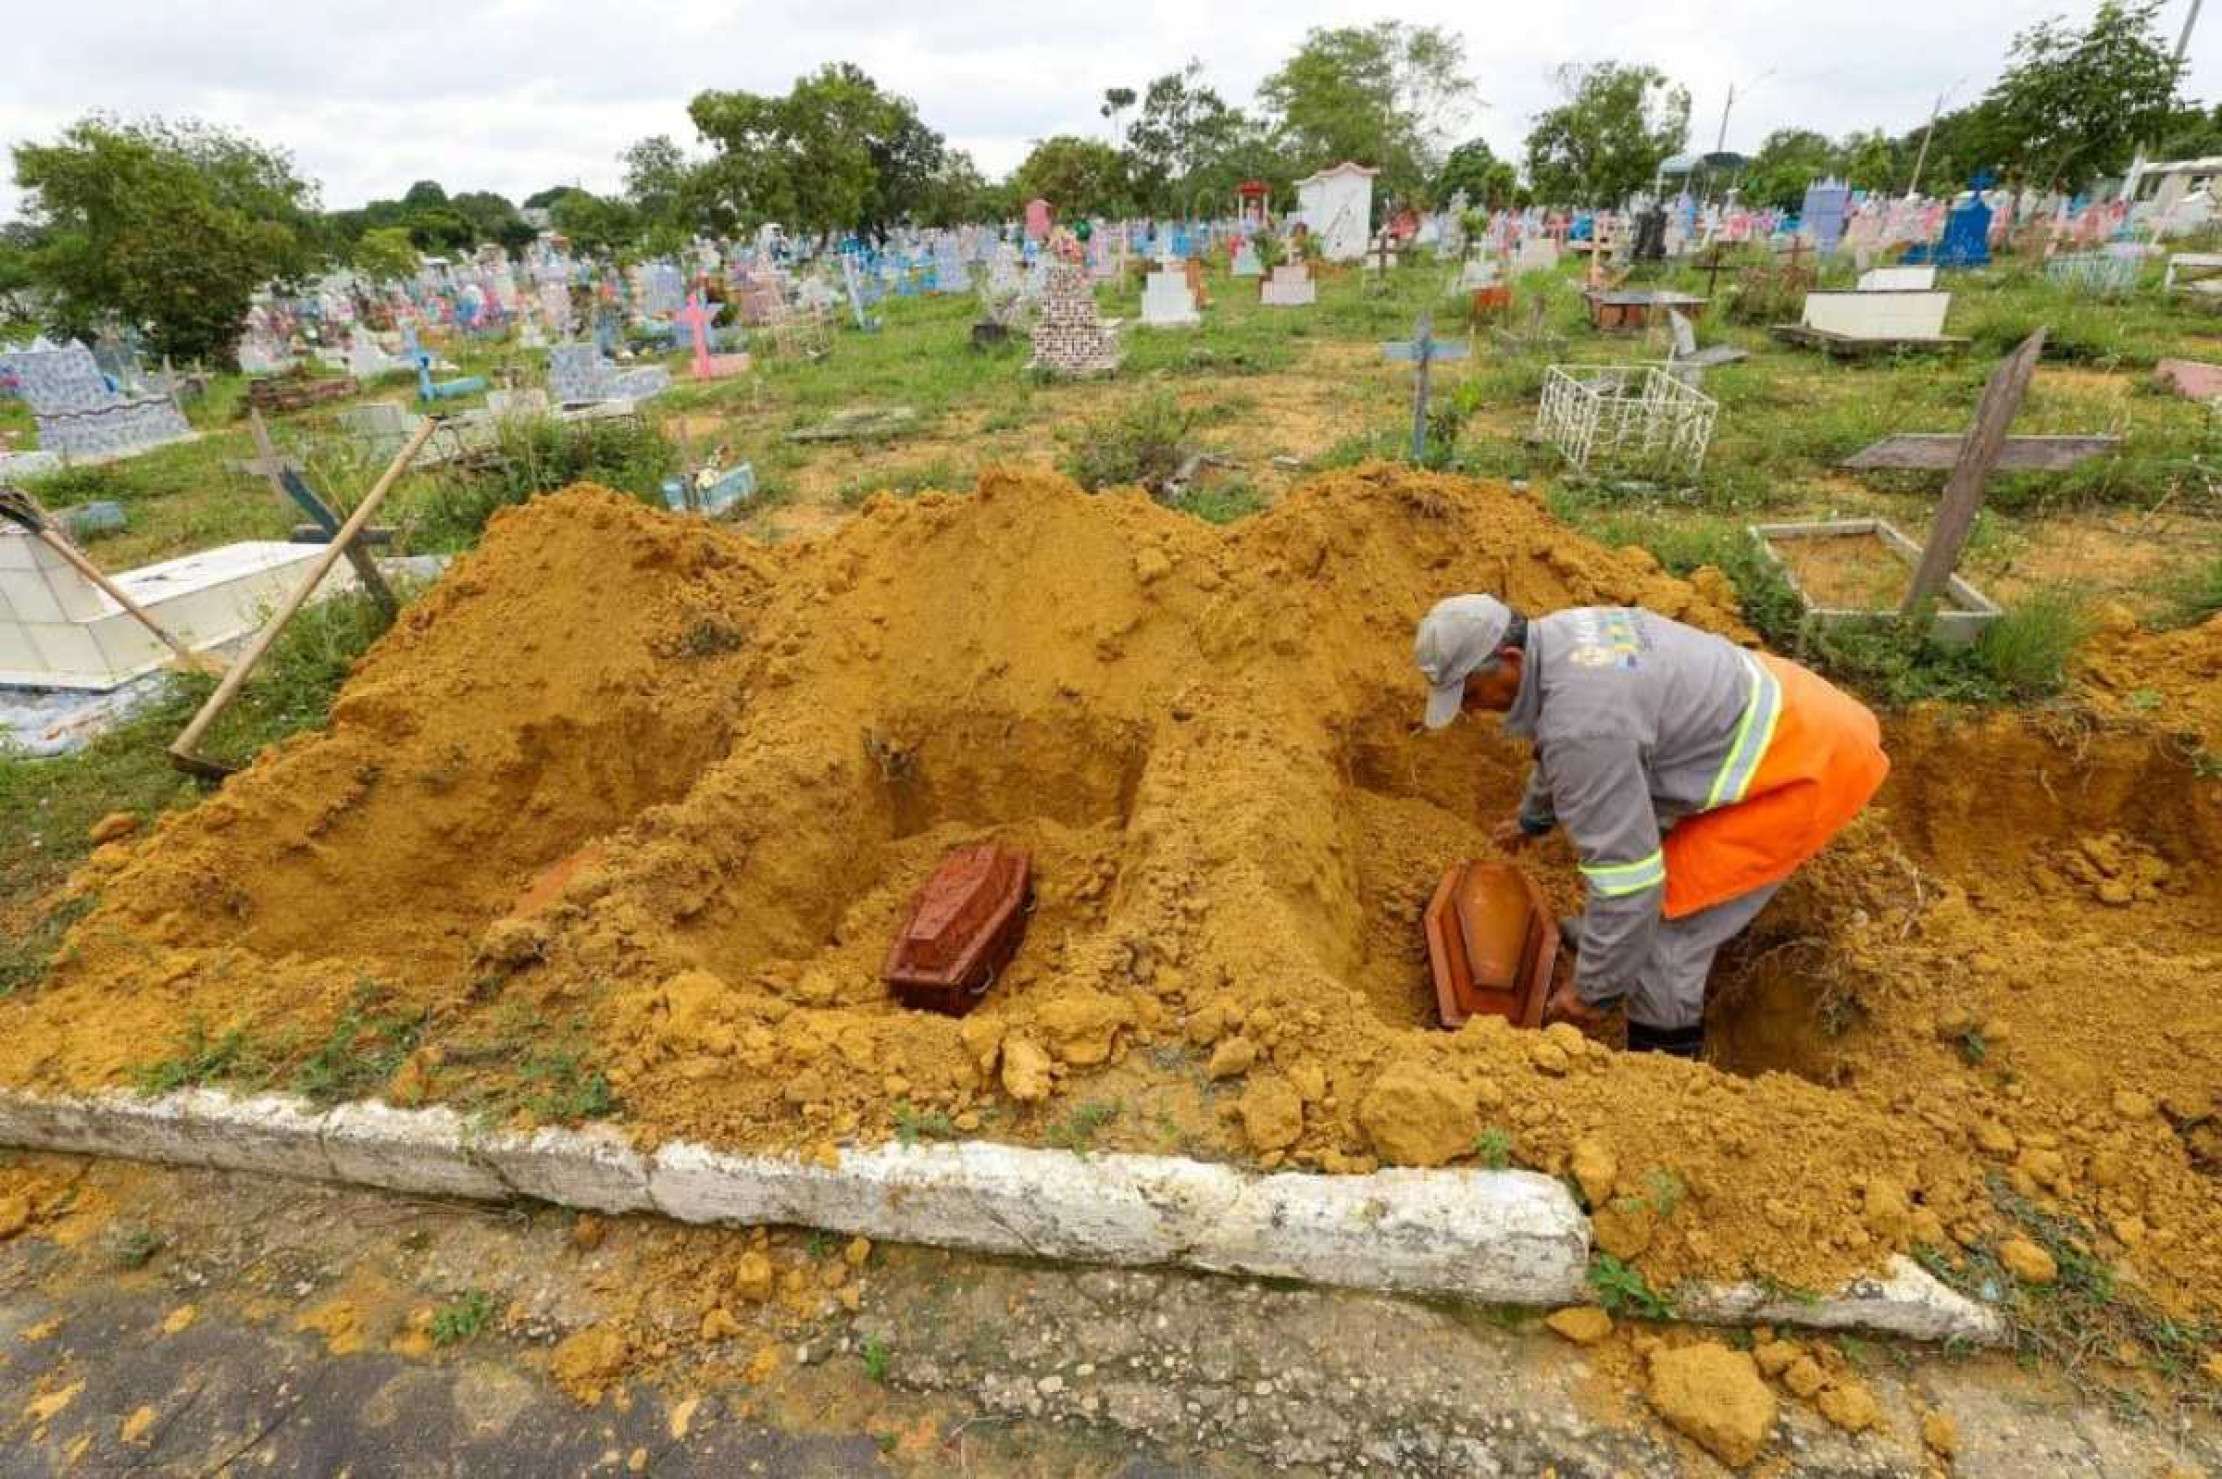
1511	836
1565	1005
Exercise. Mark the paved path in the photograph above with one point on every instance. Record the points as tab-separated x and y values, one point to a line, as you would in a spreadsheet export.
208	1355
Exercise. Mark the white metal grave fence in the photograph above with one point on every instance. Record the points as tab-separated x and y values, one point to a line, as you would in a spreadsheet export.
1636	418
2103	274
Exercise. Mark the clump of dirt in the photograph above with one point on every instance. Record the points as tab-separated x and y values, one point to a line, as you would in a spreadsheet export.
624	815
2170	679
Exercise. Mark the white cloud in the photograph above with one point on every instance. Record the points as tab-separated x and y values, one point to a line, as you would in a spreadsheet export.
514	95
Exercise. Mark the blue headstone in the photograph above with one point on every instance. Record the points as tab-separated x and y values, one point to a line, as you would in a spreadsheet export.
1827	203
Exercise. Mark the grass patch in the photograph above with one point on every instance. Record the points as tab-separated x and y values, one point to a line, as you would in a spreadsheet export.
876	1358
463	1318
1223	503
200	1059
364	1047
1623	1290
2087	1321
1139	445
1077	1131
561	1085
535	455
1493	1148
2027	650
25	958
2195	596
913	1124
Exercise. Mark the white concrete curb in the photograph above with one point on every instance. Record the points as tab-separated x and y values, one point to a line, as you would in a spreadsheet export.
1507	1237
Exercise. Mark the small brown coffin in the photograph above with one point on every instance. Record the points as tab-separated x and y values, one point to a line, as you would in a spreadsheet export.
1491	944
963	927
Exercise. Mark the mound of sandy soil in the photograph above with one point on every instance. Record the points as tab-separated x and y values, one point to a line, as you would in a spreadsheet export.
634	802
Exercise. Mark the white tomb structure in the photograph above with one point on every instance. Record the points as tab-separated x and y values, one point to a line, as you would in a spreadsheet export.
1166	301
1290	286
59	630
1337	205
1897	279
1536	254
1878	314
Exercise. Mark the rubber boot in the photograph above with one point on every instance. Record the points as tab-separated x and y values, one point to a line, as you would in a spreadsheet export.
1675	1042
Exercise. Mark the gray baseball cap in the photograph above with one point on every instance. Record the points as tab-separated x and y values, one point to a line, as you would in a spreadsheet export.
1458	637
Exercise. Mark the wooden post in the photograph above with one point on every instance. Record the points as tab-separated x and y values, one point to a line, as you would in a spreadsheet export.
366	564
1963	494
182	748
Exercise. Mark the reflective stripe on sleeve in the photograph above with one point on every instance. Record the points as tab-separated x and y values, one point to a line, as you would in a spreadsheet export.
1614	879
1754	733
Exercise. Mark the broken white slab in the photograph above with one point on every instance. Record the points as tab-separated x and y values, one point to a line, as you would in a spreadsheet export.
1905	1299
59	630
1506	1237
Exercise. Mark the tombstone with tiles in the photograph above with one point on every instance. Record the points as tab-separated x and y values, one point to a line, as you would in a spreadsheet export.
1070	339
76	411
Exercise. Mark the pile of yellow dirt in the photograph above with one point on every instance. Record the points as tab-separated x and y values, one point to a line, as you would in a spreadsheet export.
630	803
2173	679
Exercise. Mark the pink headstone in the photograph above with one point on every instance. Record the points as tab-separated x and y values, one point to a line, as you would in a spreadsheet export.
1037	219
2190	379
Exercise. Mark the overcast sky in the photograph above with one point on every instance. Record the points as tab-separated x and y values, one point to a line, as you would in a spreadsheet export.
515	95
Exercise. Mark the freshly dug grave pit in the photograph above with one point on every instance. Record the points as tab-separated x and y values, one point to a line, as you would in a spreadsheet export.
621	819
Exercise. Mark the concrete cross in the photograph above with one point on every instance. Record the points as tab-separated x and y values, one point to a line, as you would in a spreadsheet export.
695	318
1422	349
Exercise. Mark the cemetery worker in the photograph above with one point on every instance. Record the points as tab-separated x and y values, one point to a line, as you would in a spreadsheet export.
1691	776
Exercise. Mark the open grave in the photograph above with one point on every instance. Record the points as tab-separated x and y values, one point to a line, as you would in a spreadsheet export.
621	818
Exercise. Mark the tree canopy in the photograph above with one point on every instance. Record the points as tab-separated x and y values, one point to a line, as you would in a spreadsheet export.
1384	95
2075	104
835	153
168	228
1606	140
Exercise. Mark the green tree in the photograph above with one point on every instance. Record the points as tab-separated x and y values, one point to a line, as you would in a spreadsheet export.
834	153
1489	182
493	219
2074	105
956	193
1116	100
1789	159
1384	95
386	254
1080	177
1606	140
167	228
1183	129
597	225
1870	161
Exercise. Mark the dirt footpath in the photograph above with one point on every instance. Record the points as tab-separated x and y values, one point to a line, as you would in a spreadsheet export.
190	1323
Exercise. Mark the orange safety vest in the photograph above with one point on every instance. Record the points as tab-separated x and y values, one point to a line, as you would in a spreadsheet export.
1824	762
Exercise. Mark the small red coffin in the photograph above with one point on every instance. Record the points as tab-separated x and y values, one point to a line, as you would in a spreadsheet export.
963	927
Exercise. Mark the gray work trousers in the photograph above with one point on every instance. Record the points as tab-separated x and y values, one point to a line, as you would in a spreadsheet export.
1670	993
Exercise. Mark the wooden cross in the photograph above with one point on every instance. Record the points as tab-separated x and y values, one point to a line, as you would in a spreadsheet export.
286	481
1963	495
1422	349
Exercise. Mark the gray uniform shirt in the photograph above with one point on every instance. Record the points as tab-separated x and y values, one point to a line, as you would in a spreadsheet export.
1637	722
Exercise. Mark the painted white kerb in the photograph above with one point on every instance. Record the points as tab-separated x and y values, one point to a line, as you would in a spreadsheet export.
1509	1237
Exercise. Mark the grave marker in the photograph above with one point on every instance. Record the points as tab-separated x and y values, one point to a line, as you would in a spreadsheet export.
1422	350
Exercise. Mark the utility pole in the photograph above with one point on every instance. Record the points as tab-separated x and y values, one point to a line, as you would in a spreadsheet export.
1913	186
1720	140
2183	42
